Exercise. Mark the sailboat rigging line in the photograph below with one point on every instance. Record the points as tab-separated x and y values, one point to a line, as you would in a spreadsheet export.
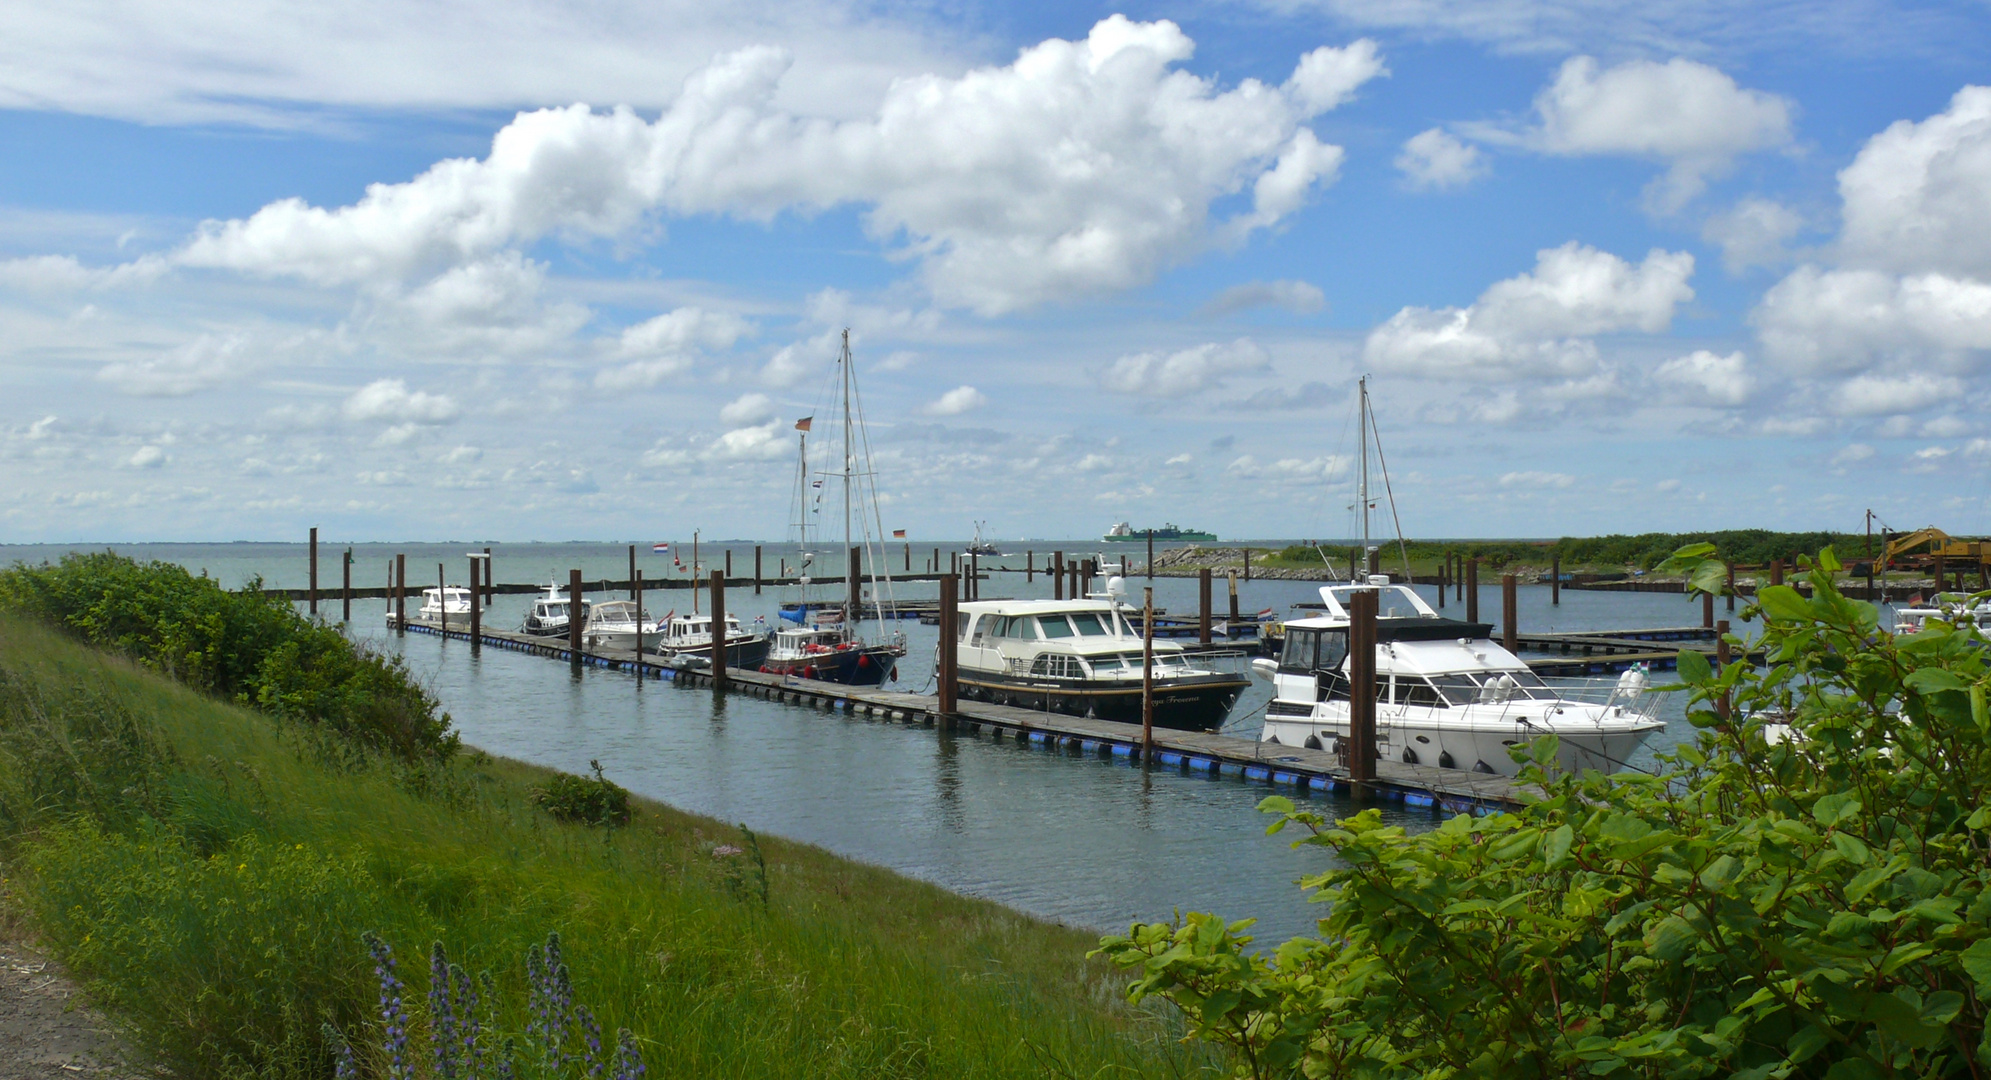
1403	549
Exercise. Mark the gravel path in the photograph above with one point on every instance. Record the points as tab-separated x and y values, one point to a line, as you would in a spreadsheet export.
47	1029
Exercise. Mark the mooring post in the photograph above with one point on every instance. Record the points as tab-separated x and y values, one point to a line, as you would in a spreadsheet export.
1071	583
729	562
442	600
1510	635
314	571
1776	572
1147	673
1361	745
1203	599
856	573
1247	564
1721	664
400	593
909	557
936	561
1233	580
1707	611
1057	572
1375	565
1354	565
1029	566
1459	576
346	587
632	572
974	575
1731	586
1472	589
1151	554
1555	581
950	641
639	625
574	617
1444	578
476	607
490	590
719	626
756	569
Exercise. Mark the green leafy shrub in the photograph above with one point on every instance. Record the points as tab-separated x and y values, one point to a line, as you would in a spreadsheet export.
1802	893
243	645
591	800
1644	551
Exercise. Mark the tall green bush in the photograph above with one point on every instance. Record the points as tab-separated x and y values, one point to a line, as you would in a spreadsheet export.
253	648
1802	892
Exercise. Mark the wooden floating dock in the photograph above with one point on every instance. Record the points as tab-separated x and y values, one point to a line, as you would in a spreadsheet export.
1444	790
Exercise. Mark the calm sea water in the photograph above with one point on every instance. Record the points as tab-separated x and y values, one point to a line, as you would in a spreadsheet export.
1081	840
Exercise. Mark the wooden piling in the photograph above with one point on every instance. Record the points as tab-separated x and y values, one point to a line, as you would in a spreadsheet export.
1057	572
1354	565
974	575
632	571
1555	580
476	607
1233	579
346	591
1444	578
1151	554
574	616
909	557
1721	657
1203	610
856	579
638	590
1247	564
1472	589
314	571
1148	671
1776	571
1361	743
1707	611
1029	566
400	594
950	643
1510	634
729	562
719	625
1375	565
756	569
1071	585
1731	586
490	589
442	599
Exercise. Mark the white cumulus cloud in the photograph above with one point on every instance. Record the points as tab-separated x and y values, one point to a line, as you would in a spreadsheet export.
1705	378
1918	196
391	401
1082	167
206	361
763	442
1885	395
1437	160
1537	323
1186	371
746	409
1754	232
1535	479
956	401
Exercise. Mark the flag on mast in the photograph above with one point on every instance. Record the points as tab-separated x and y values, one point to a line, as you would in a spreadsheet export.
659	549
898	534
803	424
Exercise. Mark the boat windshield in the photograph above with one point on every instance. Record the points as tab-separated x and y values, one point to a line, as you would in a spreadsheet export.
1090	624
1492	687
1054	626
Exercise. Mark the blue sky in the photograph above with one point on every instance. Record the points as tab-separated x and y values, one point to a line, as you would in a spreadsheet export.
1611	266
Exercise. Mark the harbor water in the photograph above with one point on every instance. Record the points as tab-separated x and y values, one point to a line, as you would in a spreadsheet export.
1088	841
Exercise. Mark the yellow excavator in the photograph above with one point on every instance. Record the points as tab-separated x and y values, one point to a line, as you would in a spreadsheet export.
1925	545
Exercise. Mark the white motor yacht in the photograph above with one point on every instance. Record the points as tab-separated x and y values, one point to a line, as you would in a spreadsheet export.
1446	693
612	624
1083	657
548	616
1951	608
689	637
442	607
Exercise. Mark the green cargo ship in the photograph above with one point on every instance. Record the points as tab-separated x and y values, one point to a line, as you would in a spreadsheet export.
1124	533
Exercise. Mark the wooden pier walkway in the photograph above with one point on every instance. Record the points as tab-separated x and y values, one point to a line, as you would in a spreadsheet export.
1445	790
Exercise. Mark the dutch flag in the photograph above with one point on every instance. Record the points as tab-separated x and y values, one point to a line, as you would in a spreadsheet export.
660	549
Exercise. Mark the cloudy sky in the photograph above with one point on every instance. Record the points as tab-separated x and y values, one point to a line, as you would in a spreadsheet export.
531	269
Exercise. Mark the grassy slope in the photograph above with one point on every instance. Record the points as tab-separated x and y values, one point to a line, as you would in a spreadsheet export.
852	970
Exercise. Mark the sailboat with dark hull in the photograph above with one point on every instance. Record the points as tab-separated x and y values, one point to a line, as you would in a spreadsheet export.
826	645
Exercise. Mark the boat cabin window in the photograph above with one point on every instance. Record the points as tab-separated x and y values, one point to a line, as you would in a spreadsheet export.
1090	624
1057	666
1309	650
1054	626
1331	684
1412	690
1457	689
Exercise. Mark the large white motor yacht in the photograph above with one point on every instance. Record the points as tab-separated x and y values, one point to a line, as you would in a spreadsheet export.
611	624
1446	693
441	607
1083	657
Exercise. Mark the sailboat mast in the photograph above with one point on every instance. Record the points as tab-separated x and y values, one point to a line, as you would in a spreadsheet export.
850	613
1362	426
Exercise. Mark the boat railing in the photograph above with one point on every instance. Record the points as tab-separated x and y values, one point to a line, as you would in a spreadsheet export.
1636	699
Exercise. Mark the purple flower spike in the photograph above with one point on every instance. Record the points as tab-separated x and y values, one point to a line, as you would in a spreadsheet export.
628	1059
393	1019
442	1014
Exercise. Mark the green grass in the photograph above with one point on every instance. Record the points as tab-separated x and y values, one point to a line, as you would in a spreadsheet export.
209	870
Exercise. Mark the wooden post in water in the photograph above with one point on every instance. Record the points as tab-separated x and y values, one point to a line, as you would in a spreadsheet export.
574	616
1203	608
1720	664
974	575
1361	744
1555	581
1147	673
639	625
1029	566
314	570
1375	564
1151	554
719	626
1444	578
490	589
1731	586
442	599
950	643
1707	611
400	594
1071	585
1057	572
856	577
1472	589
1247	564
756	569
476	607
936	560
1510	634
1459	577
1233	578
632	571
1776	572
729	562
1354	564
